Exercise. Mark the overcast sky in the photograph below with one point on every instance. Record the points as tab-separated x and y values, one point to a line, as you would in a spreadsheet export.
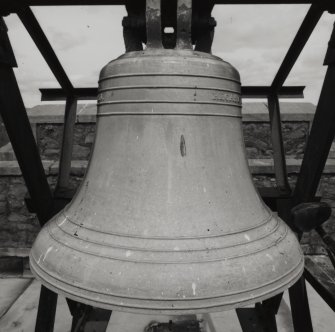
254	39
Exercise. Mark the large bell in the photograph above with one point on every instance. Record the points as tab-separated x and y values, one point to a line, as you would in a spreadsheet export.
167	219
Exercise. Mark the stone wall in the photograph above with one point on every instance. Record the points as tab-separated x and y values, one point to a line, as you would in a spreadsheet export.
49	140
256	135
18	227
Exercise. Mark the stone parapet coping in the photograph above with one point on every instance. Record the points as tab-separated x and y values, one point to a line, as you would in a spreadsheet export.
78	167
14	252
251	112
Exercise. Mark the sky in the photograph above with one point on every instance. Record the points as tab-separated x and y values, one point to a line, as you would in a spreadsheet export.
254	39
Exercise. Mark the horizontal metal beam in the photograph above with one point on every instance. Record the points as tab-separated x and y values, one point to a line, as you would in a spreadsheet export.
307	27
34	29
247	92
265	91
78	93
122	2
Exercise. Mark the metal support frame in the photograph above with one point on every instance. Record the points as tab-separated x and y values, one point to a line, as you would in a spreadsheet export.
25	148
321	135
318	146
18	127
298	296
34	29
123	2
251	92
307	27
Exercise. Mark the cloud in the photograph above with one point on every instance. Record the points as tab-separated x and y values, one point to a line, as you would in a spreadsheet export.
65	40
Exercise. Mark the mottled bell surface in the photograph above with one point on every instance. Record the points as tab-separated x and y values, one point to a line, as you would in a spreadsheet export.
167	218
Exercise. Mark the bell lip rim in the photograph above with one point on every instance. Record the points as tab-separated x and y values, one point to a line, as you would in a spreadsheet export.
168	311
298	269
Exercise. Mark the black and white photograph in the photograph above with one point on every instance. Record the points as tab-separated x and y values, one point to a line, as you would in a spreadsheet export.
167	165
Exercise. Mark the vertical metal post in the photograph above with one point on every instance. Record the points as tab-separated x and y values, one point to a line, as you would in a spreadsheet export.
46	313
301	314
277	143
17	124
67	144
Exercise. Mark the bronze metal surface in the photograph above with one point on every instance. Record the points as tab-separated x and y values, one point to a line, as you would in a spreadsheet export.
167	219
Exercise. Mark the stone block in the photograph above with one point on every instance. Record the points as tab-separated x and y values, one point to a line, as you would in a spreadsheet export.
7	153
16	218
3	195
332	151
3	207
51	154
89	138
80	152
9	168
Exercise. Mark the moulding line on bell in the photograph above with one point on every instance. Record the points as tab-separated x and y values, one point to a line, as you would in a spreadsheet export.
144	101
124	102
187	300
242	230
221	259
168	114
134	249
224	78
276	226
177	87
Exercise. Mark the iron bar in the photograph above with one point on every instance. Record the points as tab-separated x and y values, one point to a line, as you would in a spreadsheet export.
33	27
277	143
17	124
67	144
122	2
315	156
46	313
79	93
307	27
247	92
18	127
55	94
320	139
286	92
21	136
301	315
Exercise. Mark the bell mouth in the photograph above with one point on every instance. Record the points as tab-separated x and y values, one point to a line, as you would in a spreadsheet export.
168	306
184	287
